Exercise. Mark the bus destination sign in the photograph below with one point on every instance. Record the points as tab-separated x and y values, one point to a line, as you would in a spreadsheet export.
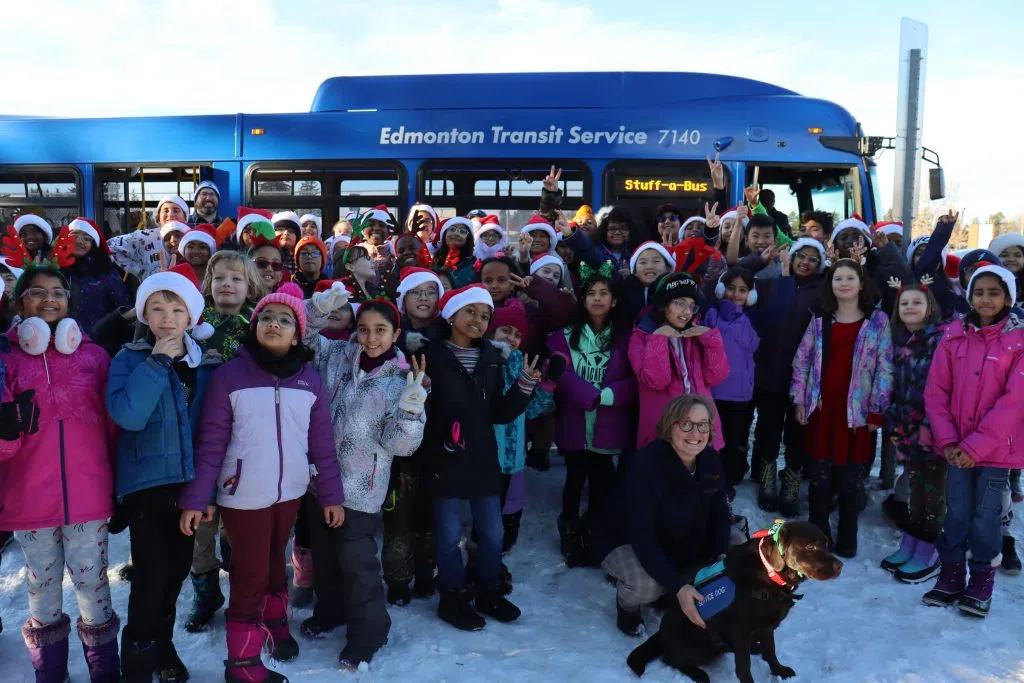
659	186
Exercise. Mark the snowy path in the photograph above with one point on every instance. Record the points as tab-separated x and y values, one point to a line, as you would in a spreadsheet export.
863	627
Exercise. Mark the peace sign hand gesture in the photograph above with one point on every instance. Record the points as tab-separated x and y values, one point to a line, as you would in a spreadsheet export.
751	194
711	219
552	179
530	367
949	218
717	172
414	396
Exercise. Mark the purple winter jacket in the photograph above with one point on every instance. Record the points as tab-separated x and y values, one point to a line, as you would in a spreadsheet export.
741	341
260	439
614	429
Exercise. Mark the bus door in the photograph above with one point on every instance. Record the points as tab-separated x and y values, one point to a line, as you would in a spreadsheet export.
128	195
328	189
52	192
642	186
507	188
801	187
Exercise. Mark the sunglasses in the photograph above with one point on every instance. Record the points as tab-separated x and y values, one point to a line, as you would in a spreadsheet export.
263	264
665	218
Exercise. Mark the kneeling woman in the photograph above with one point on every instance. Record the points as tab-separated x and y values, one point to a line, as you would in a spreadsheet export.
669	515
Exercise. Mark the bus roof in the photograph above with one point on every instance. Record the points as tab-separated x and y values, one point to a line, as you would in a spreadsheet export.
604	90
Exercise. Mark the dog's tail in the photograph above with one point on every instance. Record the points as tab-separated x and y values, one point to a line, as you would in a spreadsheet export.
643	655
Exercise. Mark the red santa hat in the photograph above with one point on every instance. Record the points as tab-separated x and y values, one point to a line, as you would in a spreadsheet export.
412	277
487	224
690	221
289	216
652	246
180	280
171	199
457	220
953	267
32	219
173	226
803	243
889	228
380	213
1001	243
311	218
426	208
550	260
457	299
203	233
88	227
247	216
538	222
852	223
733	214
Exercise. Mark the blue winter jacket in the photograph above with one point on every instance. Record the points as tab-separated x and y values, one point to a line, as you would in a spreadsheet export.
147	402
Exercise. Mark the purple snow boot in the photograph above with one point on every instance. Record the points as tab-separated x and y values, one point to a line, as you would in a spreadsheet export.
243	665
902	555
977	600
950	586
48	648
923	565
99	643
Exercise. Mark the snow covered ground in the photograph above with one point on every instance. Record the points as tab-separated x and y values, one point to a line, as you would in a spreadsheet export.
863	627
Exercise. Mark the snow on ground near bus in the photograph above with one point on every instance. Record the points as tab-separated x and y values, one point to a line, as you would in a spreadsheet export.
863	627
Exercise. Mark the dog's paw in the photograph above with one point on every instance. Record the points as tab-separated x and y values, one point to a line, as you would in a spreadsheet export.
783	671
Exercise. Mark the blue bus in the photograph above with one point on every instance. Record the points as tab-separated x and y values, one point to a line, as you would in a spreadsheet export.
457	142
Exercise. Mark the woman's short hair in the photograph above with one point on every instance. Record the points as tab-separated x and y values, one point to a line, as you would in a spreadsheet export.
256	289
677	410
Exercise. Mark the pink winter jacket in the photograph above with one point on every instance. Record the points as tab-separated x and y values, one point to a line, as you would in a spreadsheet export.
64	473
974	396
659	379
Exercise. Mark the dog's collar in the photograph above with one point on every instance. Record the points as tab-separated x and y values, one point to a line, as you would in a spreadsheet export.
772	574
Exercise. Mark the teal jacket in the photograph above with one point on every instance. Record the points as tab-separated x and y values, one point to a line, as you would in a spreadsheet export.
147	402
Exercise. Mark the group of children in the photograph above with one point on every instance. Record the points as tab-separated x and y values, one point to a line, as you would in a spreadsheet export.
383	381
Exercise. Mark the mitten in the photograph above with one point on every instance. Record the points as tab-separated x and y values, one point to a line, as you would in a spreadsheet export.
331	299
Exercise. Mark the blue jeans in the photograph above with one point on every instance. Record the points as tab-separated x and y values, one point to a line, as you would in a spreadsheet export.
973	514
451	573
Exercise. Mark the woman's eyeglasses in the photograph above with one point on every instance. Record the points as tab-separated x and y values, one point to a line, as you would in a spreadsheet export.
263	264
687	426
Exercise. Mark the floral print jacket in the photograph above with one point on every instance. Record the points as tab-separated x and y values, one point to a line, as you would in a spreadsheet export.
905	418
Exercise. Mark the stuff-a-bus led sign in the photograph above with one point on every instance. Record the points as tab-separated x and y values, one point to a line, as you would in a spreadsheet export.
661	186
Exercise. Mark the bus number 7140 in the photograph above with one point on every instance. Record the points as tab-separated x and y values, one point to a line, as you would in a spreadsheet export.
686	137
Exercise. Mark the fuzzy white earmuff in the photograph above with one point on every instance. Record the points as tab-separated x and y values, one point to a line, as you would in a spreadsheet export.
34	336
720	293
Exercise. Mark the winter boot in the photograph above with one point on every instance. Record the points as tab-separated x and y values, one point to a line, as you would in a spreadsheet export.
629	621
243	665
302	577
48	649
1016	490
902	555
99	643
506	580
922	566
493	603
950	586
455	607
570	533
425	584
139	659
977	600
789	497
768	496
351	657
274	616
169	666
206	600
318	625
399	594
1011	562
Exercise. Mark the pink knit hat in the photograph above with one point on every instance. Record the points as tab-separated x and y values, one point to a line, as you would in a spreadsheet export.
289	294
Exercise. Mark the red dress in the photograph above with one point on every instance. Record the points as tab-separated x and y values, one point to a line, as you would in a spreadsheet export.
829	436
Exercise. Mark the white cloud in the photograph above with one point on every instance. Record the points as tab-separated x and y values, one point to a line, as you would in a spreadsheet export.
134	57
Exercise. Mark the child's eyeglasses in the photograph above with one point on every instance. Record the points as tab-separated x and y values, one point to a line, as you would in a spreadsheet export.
40	294
284	321
263	264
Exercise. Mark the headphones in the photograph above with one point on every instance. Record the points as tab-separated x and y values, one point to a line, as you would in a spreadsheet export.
720	292
34	336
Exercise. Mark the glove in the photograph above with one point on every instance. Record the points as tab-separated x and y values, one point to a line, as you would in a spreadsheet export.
414	397
555	367
331	299
607	396
20	416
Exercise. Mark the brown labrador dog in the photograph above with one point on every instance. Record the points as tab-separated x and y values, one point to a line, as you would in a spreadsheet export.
797	551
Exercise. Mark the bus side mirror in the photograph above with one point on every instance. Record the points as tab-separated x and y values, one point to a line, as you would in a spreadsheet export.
936	183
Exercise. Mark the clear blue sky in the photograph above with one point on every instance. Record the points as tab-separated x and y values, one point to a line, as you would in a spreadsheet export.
132	57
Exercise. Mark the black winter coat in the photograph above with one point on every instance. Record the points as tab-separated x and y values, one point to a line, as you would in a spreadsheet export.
792	302
672	519
459	443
